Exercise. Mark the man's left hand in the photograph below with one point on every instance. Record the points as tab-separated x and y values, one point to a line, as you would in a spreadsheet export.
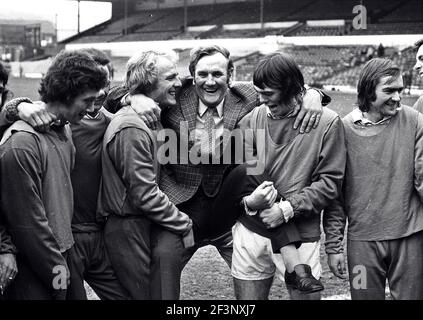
8	269
147	110
310	112
36	115
272	217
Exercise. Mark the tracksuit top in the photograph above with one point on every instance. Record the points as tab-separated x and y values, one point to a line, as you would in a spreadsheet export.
307	169
384	177
86	175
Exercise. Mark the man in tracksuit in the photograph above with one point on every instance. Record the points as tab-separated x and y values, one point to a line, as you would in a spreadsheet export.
89	260
382	192
36	189
130	195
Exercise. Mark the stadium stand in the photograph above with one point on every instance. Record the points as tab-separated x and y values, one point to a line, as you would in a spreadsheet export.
406	58
313	10
389	28
209	14
244	66
321	62
346	77
329	65
147	36
242	33
168	23
319	31
197	34
335	65
337	9
407	11
96	38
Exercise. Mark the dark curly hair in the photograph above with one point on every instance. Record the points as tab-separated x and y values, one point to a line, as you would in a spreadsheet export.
99	56
4	77
279	71
70	74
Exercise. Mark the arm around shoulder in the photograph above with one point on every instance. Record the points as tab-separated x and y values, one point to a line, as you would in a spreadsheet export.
328	174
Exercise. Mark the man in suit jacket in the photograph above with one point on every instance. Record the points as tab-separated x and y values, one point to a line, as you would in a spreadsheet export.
194	185
419	68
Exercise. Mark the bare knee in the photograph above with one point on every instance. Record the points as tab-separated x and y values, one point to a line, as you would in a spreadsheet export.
252	289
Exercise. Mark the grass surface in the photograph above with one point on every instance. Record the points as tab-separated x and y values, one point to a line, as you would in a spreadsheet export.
207	276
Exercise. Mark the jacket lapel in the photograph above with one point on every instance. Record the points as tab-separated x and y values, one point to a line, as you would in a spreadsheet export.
231	111
189	106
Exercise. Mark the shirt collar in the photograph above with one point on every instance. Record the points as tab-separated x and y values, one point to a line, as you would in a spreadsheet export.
270	115
88	116
202	108
359	118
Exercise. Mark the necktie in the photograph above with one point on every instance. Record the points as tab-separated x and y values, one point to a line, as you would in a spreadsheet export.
208	141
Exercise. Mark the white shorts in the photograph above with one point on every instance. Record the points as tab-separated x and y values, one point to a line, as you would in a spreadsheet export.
253	257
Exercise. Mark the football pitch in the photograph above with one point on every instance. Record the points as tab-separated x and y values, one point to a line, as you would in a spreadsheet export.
207	276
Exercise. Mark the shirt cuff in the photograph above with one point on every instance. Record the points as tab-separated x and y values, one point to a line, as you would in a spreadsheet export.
287	210
123	100
248	211
12	113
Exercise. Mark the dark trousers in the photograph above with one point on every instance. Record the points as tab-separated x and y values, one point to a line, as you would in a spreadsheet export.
28	286
89	261
127	242
169	258
398	261
213	219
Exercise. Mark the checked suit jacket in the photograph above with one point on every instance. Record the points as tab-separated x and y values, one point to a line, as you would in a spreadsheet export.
181	181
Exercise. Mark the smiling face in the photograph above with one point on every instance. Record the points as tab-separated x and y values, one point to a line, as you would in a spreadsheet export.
211	79
79	107
388	97
419	61
168	82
